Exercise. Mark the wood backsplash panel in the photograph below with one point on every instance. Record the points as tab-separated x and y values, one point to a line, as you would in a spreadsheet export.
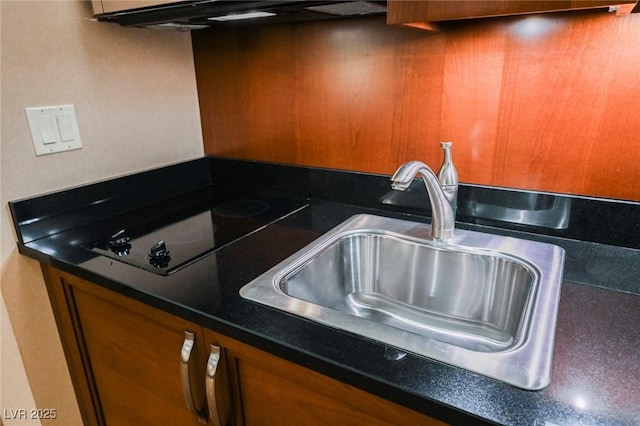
544	103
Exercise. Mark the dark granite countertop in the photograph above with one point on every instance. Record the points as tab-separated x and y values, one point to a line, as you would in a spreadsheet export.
597	351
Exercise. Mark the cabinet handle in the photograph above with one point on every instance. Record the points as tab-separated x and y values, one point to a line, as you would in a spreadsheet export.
212	401
185	374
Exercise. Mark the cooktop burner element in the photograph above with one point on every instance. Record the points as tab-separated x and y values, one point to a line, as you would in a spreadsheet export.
175	242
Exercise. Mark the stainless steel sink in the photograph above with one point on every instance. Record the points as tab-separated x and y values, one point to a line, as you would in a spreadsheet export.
469	299
482	302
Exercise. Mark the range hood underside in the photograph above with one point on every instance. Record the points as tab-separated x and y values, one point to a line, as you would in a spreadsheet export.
189	15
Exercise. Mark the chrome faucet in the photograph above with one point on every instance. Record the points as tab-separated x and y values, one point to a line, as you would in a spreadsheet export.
442	217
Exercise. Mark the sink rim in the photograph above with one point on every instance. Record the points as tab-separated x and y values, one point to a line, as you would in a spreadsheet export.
527	366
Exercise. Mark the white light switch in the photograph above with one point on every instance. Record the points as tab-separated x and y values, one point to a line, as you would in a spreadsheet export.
65	127
47	134
53	128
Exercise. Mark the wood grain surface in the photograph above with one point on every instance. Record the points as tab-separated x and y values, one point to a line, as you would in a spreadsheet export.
545	102
275	391
409	12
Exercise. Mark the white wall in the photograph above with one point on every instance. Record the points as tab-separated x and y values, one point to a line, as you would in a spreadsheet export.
135	96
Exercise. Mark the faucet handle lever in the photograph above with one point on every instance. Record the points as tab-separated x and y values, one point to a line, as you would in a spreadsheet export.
448	177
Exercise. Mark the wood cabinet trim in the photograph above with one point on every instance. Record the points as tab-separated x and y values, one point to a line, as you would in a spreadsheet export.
425	13
74	352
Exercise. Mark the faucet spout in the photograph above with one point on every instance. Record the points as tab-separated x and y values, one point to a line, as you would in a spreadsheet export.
442	218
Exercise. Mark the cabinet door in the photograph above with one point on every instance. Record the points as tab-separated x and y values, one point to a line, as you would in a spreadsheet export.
423	14
274	391
135	361
132	358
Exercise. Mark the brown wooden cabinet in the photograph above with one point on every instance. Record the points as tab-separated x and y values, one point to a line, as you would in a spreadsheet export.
132	364
278	392
425	14
128	365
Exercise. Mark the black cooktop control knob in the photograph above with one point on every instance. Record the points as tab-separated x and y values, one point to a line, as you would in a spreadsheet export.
159	255
119	243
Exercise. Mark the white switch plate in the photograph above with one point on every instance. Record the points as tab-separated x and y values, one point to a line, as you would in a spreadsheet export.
53	128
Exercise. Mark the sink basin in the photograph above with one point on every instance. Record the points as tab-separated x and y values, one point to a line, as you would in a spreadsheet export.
482	302
473	300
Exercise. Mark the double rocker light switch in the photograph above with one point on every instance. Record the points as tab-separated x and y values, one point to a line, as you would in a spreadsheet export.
53	128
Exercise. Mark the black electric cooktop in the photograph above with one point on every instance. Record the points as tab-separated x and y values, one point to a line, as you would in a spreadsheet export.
165	245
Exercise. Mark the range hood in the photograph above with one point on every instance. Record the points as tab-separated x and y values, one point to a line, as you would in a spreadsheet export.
197	14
